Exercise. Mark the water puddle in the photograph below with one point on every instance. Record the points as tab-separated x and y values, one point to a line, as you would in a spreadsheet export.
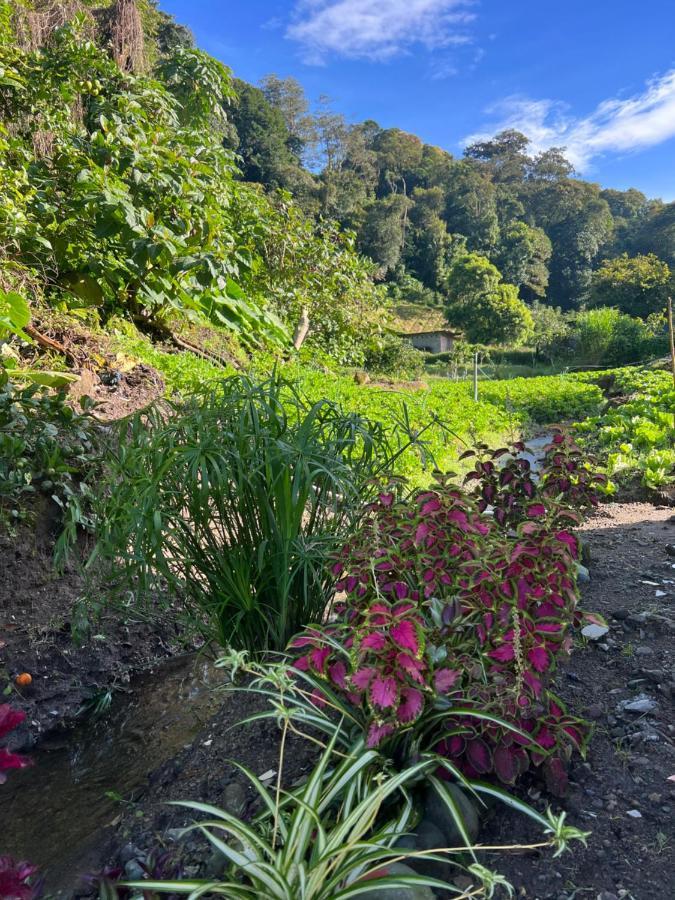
55	813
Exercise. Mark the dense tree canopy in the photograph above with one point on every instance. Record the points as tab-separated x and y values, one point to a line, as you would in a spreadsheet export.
638	285
482	305
136	170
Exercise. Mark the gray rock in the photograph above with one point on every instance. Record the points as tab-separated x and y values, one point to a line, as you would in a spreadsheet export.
441	816
234	798
130	851
643	651
134	870
640	704
583	575
410	892
430	837
594	632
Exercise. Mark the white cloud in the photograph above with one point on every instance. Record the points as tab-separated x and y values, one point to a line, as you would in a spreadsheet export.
615	126
377	29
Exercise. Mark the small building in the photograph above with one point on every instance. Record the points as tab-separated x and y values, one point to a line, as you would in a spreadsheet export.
436	341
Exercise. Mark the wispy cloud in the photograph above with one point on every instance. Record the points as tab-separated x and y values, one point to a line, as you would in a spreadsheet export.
377	29
615	126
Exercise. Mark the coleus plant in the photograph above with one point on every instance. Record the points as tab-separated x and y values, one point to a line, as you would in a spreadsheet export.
447	629
508	483
16	878
9	719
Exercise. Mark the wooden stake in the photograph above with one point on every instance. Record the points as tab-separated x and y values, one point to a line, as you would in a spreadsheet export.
672	336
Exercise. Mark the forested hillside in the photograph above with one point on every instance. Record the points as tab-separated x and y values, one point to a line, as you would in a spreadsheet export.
143	180
122	197
416	208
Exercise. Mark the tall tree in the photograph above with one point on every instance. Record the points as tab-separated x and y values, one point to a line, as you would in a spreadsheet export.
523	256
638	285
486	309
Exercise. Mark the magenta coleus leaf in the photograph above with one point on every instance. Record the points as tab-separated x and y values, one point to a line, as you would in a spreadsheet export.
383	691
410	706
377	733
9	718
505	764
505	653
538	658
338	674
404	634
414	667
444	679
479	756
374	641
534	510
362	677
10	760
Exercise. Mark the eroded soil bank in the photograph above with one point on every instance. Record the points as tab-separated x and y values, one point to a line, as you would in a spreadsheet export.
624	683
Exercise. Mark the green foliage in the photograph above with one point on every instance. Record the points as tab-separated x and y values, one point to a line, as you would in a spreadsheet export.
48	450
121	195
606	336
390	355
504	407
637	285
637	436
523	257
14	315
488	311
235	501
334	837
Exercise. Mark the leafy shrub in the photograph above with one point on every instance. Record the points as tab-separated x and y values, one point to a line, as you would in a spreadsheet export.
638	435
338	833
513	486
236	499
46	448
331	838
449	628
389	355
608	337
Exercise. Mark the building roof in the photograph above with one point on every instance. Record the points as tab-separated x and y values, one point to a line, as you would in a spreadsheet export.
447	331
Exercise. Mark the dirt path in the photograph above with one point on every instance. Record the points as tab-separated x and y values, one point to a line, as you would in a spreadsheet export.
621	792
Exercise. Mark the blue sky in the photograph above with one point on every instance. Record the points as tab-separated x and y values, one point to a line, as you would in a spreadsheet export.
597	76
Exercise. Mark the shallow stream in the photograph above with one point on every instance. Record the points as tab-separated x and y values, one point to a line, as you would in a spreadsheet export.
55	814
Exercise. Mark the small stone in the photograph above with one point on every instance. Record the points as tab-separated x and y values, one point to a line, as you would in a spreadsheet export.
407	892
620	614
606	895
583	575
596	711
134	870
234	798
640	704
129	851
174	834
594	632
643	651
634	813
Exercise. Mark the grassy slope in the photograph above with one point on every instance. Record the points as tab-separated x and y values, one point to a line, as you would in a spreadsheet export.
505	408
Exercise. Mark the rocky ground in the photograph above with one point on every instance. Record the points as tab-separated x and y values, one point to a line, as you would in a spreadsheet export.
623	681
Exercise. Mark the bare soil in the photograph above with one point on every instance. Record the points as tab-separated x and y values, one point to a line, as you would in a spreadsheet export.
621	792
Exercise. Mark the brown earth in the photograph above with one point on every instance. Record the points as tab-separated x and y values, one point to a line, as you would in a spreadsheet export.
621	793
